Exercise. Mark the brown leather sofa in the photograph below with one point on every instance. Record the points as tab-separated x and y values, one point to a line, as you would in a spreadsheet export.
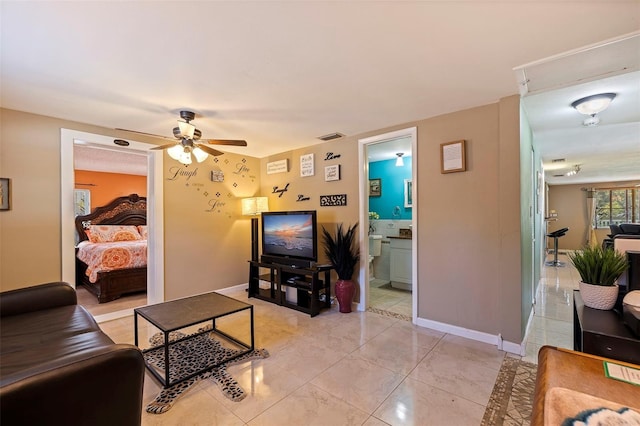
58	368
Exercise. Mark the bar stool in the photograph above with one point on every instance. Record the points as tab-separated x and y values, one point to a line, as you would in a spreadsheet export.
555	235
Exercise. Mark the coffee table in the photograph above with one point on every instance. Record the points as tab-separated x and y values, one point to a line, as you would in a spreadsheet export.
182	313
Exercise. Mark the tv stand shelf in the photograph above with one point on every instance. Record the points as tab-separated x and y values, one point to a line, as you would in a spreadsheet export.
297	288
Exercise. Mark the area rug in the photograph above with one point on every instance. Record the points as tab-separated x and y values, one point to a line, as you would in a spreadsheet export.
511	401
190	356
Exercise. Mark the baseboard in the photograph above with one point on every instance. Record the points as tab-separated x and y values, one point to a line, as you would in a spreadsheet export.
232	289
479	336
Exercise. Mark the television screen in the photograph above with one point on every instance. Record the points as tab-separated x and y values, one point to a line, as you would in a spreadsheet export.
290	234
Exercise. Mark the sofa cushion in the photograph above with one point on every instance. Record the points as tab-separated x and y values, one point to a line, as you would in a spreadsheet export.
43	338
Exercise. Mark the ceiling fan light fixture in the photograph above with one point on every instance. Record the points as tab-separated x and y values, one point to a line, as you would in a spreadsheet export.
186	129
591	105
574	171
185	157
176	151
199	154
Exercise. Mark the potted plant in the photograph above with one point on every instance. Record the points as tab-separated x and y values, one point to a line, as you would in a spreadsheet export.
599	270
344	254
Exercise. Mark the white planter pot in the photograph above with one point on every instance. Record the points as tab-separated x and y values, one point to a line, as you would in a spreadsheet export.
598	296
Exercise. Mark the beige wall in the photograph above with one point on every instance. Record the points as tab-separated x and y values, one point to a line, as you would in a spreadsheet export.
469	223
204	250
570	203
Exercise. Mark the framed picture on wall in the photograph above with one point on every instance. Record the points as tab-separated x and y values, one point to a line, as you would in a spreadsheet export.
452	157
81	202
5	194
375	187
408	193
332	173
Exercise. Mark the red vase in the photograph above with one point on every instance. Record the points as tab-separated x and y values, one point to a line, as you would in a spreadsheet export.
345	289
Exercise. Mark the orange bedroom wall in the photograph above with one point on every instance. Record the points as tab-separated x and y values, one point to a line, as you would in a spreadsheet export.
108	186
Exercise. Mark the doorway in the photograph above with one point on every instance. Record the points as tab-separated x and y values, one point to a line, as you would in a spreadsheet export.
155	266
391	228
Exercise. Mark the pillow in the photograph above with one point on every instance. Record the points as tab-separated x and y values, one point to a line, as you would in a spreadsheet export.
88	234
111	233
142	229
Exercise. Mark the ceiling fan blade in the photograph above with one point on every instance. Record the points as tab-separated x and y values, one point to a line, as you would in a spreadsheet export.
146	134
234	142
155	148
208	150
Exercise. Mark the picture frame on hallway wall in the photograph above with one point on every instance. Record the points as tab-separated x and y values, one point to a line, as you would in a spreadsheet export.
5	194
375	187
453	157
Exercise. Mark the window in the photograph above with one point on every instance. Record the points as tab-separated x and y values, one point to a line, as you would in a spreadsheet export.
616	206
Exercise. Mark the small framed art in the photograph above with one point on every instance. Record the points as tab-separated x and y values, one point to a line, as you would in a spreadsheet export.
375	187
332	173
452	157
5	194
408	193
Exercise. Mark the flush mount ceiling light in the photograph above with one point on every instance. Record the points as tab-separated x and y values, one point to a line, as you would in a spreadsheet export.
399	160
592	105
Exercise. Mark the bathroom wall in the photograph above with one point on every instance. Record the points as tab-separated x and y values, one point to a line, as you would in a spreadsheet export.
386	228
390	204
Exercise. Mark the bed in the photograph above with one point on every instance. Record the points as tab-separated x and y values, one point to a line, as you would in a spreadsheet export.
109	233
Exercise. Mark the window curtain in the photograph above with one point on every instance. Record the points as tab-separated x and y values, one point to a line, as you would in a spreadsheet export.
592	240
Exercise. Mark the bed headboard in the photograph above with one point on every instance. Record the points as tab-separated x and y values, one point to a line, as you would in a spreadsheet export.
129	210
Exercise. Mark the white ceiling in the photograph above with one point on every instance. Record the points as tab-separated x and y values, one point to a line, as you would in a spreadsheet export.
98	158
280	74
607	152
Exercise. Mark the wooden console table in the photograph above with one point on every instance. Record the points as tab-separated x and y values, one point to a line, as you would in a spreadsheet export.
305	285
603	333
568	383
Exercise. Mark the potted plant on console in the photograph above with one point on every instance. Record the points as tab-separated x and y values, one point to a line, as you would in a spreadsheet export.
599	269
344	254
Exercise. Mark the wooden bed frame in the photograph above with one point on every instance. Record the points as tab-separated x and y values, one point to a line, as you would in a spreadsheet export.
129	210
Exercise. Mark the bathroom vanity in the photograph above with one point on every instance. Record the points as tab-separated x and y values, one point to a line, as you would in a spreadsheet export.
401	262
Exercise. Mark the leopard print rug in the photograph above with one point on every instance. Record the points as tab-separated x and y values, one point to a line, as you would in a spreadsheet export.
190	356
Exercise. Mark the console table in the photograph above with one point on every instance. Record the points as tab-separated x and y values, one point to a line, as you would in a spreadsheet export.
297	288
603	333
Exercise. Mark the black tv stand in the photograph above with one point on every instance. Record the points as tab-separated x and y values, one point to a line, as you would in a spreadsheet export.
295	287
287	261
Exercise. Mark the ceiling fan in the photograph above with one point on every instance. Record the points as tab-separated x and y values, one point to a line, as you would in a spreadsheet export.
187	147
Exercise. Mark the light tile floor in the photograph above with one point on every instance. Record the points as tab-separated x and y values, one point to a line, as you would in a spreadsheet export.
553	319
360	368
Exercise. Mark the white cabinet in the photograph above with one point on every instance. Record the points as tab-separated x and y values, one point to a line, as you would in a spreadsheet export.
401	263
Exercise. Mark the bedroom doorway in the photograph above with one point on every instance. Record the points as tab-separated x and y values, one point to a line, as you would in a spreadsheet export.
155	280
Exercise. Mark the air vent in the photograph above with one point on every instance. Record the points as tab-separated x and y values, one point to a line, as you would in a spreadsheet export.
558	160
331	136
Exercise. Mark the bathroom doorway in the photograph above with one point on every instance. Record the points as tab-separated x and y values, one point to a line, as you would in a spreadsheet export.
389	272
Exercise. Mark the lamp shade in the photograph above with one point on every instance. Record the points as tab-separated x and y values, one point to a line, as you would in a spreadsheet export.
254	205
199	154
399	160
175	151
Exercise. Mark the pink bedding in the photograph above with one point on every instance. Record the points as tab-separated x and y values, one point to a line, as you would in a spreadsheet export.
102	257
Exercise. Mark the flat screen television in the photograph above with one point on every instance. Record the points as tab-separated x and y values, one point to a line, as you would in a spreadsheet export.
290	235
